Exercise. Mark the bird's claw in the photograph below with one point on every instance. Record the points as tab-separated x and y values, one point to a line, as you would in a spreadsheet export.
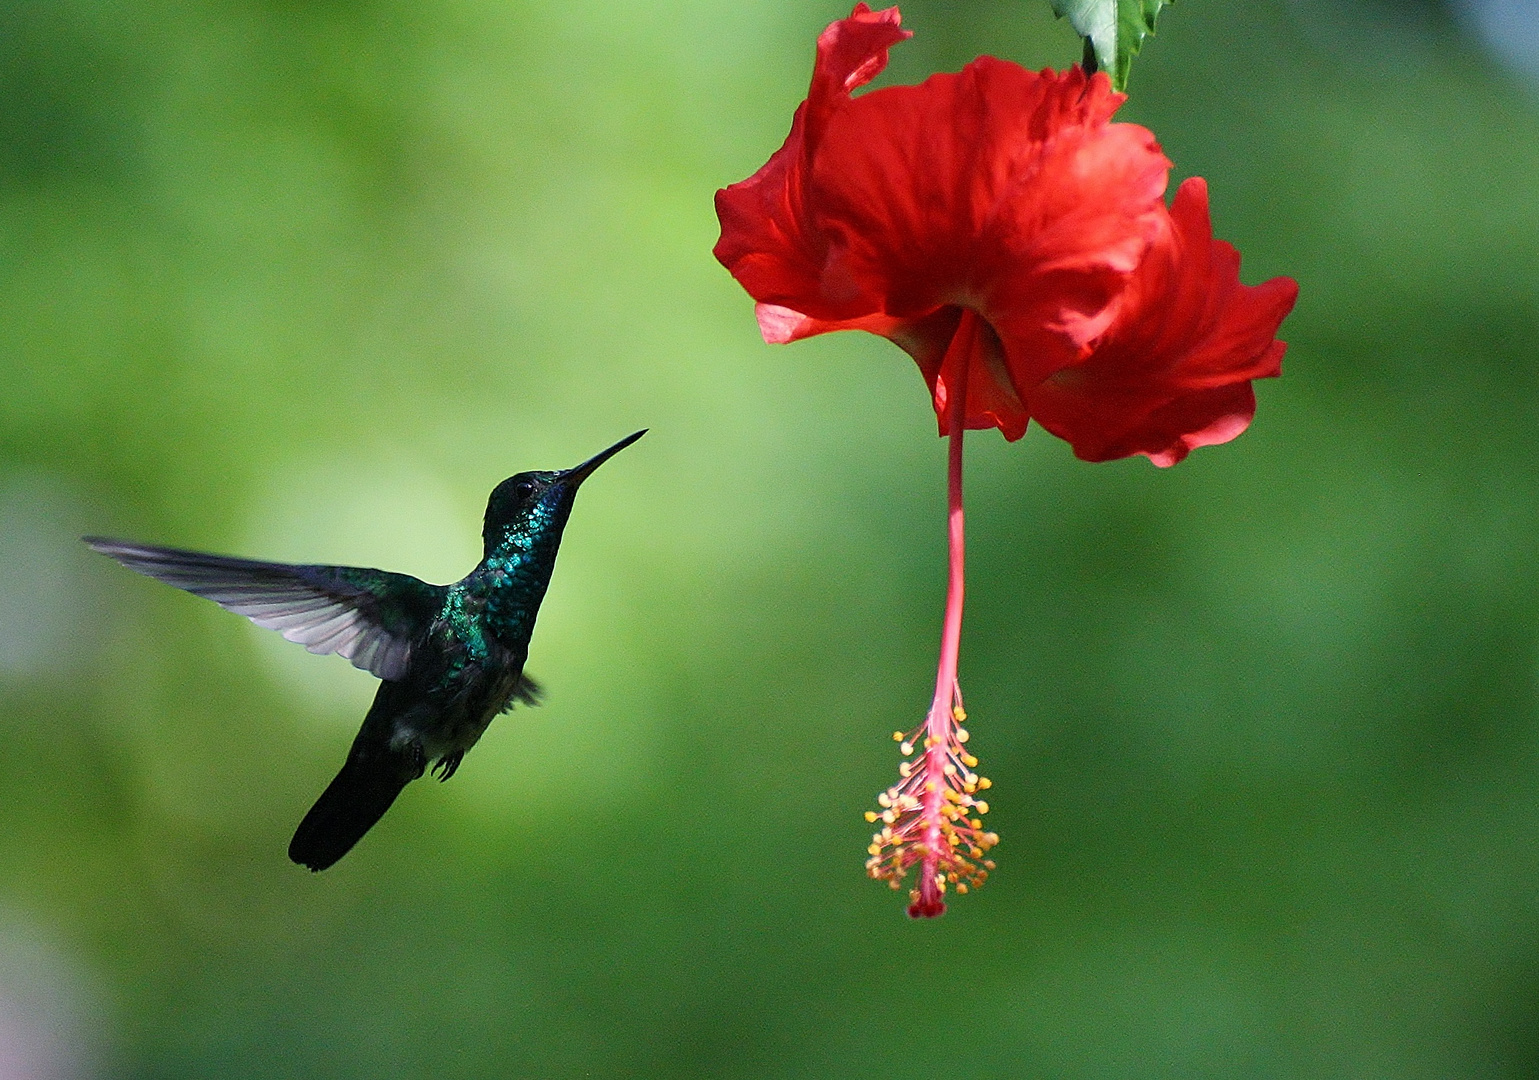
417	756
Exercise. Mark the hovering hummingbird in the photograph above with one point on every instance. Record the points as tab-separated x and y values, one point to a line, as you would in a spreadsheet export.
451	657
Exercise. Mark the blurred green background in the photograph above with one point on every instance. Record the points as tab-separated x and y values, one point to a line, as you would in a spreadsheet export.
304	280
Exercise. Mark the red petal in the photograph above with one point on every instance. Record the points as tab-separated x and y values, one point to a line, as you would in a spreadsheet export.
1203	418
1173	370
766	241
974	354
852	52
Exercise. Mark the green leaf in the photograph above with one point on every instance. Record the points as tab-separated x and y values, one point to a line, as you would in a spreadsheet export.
1114	31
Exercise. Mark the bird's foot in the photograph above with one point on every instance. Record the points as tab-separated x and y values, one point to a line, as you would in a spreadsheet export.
417	756
448	764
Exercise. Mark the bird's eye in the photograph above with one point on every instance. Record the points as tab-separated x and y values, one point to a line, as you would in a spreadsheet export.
524	488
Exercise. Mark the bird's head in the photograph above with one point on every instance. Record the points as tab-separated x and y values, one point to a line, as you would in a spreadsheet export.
530	503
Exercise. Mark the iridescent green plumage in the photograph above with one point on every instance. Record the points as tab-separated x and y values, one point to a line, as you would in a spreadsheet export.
451	657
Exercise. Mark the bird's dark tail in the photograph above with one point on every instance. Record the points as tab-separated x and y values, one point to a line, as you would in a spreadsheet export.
352	803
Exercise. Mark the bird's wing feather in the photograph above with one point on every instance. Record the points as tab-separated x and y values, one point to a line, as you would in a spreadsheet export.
371	617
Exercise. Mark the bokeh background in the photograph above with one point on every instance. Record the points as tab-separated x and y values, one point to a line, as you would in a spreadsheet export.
303	280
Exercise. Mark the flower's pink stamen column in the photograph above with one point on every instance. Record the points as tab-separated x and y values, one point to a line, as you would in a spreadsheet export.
925	815
940	723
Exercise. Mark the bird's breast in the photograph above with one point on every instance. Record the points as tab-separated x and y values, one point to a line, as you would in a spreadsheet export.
460	708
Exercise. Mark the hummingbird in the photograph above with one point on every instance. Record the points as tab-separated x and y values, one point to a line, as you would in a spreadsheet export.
450	657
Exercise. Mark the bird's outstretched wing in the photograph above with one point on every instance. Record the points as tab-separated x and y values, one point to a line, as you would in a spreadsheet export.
372	617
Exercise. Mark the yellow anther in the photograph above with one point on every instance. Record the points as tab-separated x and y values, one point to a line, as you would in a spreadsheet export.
884	799
907	748
962	888
983	807
929	785
958	714
976	823
970	761
874	849
950	769
870	815
963	735
904	768
889	816
984	783
897	736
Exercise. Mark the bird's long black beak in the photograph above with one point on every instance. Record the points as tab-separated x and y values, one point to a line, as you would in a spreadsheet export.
582	472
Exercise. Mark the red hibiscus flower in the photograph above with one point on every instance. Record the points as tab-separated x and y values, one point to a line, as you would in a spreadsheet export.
997	225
